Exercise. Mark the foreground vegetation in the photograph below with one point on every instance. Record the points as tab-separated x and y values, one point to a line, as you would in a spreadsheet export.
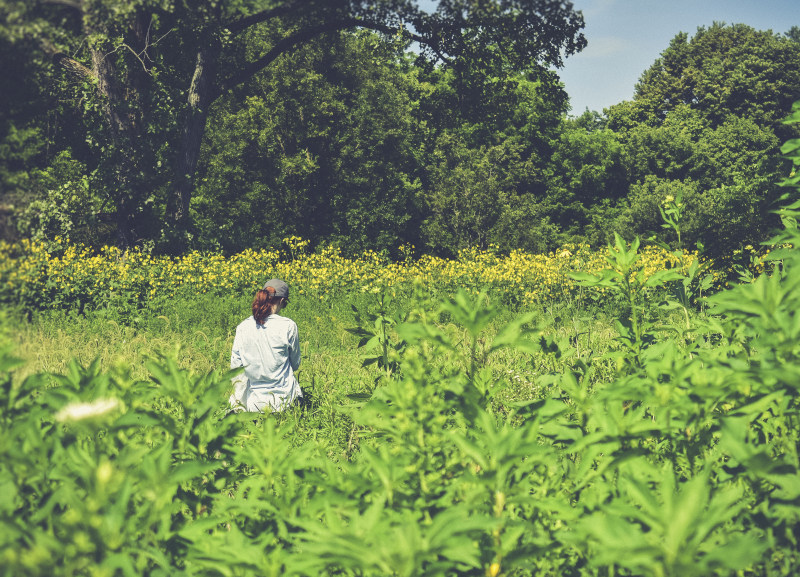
471	441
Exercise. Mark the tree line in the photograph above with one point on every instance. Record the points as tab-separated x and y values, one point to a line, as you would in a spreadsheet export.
232	125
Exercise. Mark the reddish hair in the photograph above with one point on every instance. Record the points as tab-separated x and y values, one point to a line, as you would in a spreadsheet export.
263	303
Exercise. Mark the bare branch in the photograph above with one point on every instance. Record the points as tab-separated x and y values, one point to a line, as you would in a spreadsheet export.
142	54
160	38
147	38
242	24
76	4
138	57
78	49
148	44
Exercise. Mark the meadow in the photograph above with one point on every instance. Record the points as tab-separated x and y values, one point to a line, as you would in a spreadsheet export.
122	309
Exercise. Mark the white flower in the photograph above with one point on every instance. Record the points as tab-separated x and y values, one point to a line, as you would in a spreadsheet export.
81	411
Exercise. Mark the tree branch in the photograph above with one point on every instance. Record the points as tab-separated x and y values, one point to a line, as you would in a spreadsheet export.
142	54
287	43
243	23
137	55
76	4
66	61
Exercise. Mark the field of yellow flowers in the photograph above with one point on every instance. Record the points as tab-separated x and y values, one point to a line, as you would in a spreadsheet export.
61	274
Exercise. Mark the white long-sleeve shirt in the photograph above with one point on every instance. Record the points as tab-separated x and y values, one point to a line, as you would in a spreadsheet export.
270	354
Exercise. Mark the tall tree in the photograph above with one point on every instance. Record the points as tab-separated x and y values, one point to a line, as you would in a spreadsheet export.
322	145
720	71
705	122
152	63
486	157
585	169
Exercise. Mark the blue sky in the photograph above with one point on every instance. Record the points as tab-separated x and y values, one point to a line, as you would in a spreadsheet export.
626	36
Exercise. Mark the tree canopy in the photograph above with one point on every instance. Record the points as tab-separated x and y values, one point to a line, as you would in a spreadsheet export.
720	71
150	70
705	123
232	125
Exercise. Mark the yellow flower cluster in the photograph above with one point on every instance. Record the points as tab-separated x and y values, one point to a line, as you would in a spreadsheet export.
66	274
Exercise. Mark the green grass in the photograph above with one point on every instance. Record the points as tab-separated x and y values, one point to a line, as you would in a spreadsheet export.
199	332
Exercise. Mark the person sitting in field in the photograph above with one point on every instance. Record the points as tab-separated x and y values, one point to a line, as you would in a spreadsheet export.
267	346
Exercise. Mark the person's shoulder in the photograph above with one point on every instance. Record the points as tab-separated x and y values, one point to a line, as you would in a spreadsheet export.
285	320
247	323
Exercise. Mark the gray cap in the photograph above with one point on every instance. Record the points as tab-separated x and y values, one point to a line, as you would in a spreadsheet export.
281	288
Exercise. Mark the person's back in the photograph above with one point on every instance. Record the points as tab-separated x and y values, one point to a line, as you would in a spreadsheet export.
267	346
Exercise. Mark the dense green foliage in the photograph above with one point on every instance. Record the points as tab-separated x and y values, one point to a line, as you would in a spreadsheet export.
705	121
142	78
326	150
352	139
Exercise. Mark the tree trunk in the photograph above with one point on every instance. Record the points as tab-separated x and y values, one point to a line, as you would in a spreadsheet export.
105	73
201	95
